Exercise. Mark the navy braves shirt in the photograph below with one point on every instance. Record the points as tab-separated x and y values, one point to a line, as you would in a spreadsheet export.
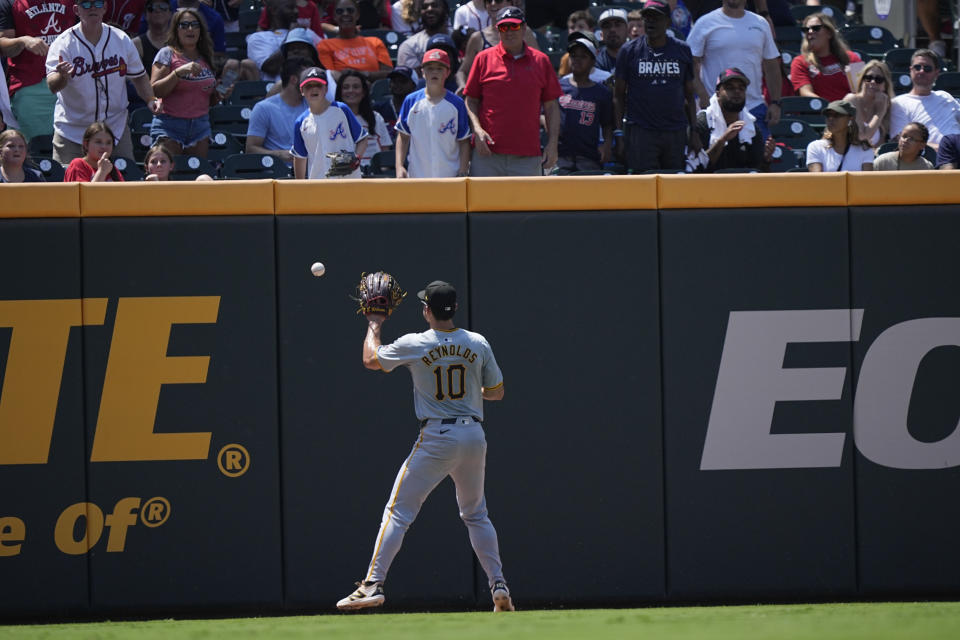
583	111
655	81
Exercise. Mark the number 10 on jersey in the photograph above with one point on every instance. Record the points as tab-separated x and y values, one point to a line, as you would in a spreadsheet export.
455	374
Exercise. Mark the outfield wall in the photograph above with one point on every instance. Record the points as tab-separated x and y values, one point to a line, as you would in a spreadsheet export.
719	388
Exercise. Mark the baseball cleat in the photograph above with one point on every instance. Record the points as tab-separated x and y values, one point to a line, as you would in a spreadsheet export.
501	597
368	594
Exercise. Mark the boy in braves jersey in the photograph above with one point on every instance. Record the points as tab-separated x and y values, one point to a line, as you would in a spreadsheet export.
586	109
27	29
433	126
325	127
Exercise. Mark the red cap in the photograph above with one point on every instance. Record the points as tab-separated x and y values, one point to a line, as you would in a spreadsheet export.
437	55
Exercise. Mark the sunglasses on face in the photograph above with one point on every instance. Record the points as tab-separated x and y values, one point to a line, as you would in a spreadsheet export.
926	68
158	8
342	10
509	26
90	4
189	24
877	79
814	28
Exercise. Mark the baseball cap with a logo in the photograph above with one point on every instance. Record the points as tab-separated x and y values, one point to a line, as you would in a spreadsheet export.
440	296
437	55
510	15
312	74
657	6
733	73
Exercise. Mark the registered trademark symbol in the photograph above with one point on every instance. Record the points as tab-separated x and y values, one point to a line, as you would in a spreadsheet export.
233	460
155	511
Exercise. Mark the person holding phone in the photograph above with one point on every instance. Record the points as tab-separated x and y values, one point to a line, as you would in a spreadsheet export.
183	78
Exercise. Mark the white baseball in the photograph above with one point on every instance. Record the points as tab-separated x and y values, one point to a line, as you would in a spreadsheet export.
318	269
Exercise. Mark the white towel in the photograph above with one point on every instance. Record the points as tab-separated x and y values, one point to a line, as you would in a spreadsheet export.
718	126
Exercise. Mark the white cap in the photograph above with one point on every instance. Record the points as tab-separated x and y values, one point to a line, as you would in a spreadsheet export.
615	13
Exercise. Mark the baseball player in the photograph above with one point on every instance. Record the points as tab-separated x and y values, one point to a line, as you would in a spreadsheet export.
453	372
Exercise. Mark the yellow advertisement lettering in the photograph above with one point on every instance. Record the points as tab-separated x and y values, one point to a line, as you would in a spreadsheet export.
12	533
137	367
31	383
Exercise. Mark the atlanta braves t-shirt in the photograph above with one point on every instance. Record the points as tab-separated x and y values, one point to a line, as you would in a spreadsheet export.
435	130
583	111
655	81
317	134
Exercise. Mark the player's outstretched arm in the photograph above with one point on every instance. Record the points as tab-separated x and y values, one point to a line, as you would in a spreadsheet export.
372	341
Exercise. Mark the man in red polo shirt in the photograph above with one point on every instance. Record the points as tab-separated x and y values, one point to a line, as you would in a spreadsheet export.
508	84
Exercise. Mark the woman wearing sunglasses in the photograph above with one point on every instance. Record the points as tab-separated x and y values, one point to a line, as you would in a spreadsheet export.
840	148
183	77
872	100
820	69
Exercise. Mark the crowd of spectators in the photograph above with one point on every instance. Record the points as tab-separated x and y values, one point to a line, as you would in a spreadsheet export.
433	88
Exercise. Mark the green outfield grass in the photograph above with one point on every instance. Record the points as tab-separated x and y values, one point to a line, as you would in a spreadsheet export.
873	621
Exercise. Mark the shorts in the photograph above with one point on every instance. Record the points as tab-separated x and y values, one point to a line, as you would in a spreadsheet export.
33	108
651	150
185	131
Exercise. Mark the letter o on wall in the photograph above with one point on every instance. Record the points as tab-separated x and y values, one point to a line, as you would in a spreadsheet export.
883	396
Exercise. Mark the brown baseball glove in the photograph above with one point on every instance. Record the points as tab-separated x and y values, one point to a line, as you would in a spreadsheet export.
378	292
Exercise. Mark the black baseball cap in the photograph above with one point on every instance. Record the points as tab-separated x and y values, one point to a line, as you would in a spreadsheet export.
511	14
440	296
733	73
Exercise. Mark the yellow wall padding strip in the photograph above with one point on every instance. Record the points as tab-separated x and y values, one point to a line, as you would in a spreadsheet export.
562	193
220	198
723	191
371	196
56	200
904	187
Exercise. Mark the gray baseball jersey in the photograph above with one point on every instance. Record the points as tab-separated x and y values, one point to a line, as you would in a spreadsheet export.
448	369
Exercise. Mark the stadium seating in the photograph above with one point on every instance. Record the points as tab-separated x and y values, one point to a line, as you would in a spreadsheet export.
50	169
789	38
248	19
805	109
248	92
379	90
870	39
898	60
222	145
139	121
391	39
785	158
41	146
236	45
129	169
949	82
383	164
796	134
248	166
232	118
189	167
801	11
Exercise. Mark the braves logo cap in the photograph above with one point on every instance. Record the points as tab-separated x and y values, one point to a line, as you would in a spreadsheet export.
733	73
437	55
657	6
511	15
439	296
312	74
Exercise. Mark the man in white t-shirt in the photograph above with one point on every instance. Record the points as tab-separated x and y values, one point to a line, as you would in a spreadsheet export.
937	110
730	37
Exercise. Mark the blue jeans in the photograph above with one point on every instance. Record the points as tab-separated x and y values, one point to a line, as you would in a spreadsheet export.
760	113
